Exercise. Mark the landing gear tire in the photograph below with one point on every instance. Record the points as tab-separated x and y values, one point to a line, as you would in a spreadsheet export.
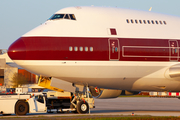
82	107
22	108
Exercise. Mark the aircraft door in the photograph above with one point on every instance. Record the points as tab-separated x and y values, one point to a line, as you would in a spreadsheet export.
173	50
114	49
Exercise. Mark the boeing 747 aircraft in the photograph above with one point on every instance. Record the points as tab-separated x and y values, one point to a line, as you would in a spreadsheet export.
106	49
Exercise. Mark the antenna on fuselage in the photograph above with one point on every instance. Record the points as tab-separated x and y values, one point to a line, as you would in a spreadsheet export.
150	9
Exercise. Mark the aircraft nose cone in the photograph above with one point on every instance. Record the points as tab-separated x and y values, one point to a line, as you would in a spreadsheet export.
17	50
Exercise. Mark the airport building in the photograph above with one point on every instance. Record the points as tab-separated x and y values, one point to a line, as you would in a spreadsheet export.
7	70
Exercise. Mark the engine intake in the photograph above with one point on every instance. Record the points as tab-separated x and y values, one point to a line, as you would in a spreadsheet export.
109	93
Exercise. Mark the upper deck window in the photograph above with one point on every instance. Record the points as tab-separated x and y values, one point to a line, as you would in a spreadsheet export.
152	21
132	21
144	21
157	22
140	21
136	21
63	16
164	22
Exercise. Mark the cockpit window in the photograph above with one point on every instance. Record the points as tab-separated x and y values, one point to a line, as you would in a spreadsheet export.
72	16
66	16
63	16
57	16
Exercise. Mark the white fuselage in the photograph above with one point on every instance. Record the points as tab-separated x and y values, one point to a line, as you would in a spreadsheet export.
150	73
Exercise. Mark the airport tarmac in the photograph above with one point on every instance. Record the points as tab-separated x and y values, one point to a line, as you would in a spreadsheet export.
127	106
138	105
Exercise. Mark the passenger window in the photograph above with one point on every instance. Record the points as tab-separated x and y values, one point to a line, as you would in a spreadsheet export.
136	21
75	48
81	48
66	16
91	49
70	48
152	21
72	16
132	21
140	21
165	22
127	20
157	22
148	22
160	22
144	21
86	49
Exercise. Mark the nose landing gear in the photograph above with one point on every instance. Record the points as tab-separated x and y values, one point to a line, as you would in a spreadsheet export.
82	101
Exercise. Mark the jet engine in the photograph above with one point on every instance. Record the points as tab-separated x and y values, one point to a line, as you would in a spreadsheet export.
109	93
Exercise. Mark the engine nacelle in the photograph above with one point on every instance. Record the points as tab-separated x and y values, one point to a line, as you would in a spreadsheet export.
109	93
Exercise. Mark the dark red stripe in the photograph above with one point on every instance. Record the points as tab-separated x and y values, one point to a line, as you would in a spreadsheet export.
57	48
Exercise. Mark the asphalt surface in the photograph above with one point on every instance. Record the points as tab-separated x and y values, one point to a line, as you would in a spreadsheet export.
138	106
144	106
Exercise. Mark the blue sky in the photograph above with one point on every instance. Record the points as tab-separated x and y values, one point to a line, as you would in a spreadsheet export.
19	16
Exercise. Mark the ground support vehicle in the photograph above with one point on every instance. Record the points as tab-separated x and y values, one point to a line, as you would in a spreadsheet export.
21	104
26	103
165	94
57	100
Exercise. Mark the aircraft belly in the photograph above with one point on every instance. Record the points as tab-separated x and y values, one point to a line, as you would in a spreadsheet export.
106	74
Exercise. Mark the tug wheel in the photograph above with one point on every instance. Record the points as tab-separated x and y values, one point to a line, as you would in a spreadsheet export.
21	108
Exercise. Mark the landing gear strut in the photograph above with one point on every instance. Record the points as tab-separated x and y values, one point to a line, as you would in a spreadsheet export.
82	101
